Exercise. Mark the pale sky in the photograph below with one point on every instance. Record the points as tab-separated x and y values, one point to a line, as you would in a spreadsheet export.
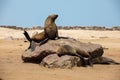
28	13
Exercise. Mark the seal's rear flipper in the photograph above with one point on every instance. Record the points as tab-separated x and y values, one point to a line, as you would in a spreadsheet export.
63	37
83	61
27	36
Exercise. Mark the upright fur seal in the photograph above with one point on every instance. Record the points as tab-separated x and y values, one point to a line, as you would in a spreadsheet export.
50	31
50	28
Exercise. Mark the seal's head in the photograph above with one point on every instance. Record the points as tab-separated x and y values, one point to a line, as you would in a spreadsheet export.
51	18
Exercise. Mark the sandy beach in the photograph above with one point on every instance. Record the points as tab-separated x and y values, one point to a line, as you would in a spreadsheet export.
13	68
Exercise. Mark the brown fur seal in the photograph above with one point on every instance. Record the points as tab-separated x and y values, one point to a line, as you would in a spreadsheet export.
104	60
50	31
50	28
37	37
69	50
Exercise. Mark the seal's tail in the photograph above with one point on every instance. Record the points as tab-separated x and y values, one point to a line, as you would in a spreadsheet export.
27	36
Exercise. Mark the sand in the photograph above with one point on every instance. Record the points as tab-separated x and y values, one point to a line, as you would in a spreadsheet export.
13	68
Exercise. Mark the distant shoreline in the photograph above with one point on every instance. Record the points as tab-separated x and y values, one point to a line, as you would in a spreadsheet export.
114	28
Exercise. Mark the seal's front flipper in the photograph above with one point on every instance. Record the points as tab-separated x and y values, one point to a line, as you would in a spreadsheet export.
90	62
44	41
33	46
83	61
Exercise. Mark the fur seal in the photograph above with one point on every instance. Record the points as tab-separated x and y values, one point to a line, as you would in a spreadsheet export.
37	37
69	50
104	60
50	28
50	31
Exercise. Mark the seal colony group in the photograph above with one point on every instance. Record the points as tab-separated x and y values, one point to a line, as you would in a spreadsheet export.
51	33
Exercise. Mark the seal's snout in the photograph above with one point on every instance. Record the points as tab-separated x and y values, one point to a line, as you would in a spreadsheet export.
56	15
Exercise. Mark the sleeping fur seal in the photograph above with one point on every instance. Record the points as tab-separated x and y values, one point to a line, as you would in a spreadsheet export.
104	60
69	50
